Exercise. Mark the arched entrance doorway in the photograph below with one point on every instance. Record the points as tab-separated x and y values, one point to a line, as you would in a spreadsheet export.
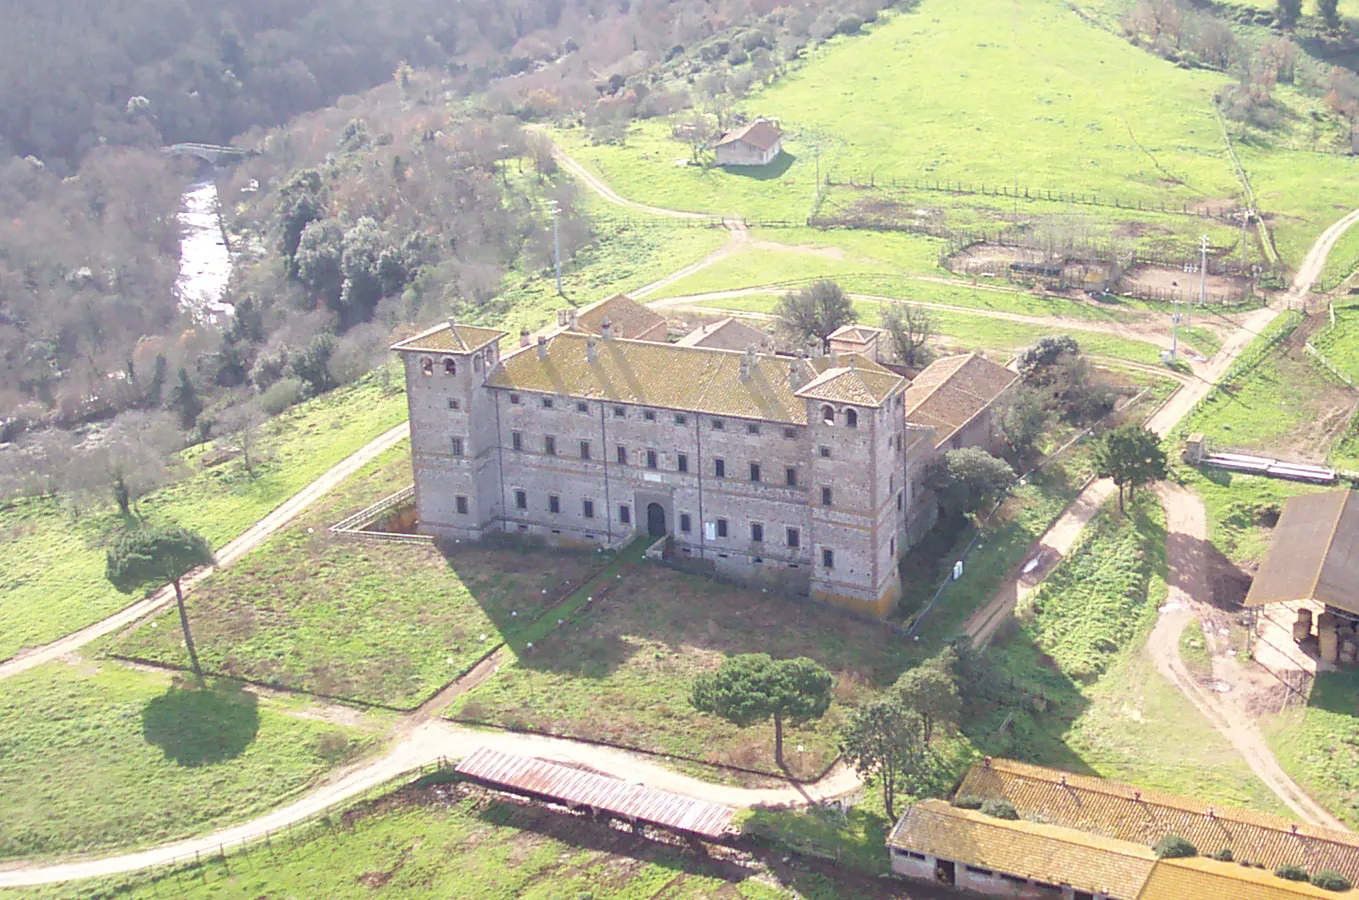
655	520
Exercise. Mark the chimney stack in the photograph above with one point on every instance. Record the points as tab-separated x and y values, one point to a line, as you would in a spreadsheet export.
797	377
606	330
591	349
562	317
542	347
748	361
571	318
523	337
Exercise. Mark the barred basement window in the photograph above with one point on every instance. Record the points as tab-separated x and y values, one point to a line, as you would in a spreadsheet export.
582	407
457	446
584	449
514	399
454	404
681	419
722	528
752	428
547	403
517	440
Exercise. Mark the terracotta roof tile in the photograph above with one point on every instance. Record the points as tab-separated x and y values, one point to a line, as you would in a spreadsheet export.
761	133
451	337
951	392
727	334
1030	850
1314	554
646	373
1096	806
1206	879
627	318
856	385
858	334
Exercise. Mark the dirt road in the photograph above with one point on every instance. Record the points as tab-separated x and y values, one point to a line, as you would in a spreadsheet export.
426	744
232	551
1227	709
594	183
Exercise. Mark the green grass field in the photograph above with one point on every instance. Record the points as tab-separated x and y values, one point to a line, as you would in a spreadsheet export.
442	841
1106	711
622	670
1319	745
97	758
52	579
1241	508
381	623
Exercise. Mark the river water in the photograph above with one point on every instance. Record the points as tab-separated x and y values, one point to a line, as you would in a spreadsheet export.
204	259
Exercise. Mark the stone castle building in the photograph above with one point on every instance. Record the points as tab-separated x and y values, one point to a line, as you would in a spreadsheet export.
800	472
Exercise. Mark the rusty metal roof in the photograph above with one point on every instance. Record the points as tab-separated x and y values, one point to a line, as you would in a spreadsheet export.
1314	554
572	787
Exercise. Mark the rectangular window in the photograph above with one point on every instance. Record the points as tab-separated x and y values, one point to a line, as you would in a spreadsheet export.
461	505
756	532
718	425
517	440
898	501
686	524
682	462
794	538
720	468
514	399
752	428
457	446
619	412
588	508
554	503
892	546
790	434
550	445
826	497
755	472
625	514
825	453
681	419
652	460
622	455
454	404
547	403
790	476
582	406
649	415
891	483
520	500
721	527
828	559
584	449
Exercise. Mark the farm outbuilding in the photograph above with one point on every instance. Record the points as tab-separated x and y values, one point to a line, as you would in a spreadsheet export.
756	144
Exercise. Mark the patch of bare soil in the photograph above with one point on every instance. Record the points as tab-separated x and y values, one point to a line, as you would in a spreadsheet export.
1184	285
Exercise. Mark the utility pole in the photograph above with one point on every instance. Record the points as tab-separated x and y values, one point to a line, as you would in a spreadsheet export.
818	173
1175	333
557	245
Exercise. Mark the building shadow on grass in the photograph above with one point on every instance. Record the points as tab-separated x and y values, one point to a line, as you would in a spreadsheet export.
196	726
775	169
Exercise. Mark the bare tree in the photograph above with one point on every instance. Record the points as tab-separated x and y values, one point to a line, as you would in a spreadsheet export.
132	454
696	130
242	424
909	327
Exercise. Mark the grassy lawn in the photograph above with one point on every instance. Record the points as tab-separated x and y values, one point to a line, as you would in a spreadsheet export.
1283	403
381	623
1242	509
443	841
52	578
963	331
1104	709
1319	745
622	670
102	758
1340	344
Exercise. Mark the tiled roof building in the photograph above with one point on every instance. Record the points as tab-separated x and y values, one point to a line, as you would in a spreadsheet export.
1084	837
800	473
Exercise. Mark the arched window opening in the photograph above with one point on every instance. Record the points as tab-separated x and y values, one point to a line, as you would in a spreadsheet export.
828	414
427	366
450	366
851	418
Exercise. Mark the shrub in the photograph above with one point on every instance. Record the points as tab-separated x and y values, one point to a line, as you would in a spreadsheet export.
1291	872
1223	855
1172	846
1331	881
284	393
968	802
850	24
1000	809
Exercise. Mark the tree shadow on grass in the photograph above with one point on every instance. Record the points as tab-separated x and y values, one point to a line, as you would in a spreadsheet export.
201	726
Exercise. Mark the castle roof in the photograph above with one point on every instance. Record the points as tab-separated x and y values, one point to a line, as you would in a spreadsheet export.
626	317
450	337
854	382
1207	879
726	334
1047	853
951	392
1096	806
692	379
1314	554
855	334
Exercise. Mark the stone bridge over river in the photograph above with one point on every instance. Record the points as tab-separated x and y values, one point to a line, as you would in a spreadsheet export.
214	154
